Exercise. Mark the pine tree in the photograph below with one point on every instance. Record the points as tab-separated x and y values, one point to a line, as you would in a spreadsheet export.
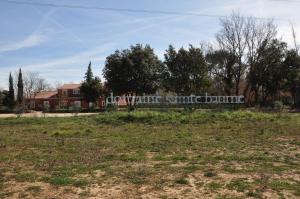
11	92
20	88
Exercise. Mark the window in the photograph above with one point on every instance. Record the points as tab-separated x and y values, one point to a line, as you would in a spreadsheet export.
46	104
76	92
77	104
65	93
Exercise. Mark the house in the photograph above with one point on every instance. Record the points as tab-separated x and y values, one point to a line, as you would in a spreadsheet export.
42	100
65	97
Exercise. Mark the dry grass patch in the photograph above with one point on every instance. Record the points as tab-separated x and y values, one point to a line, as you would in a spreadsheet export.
151	155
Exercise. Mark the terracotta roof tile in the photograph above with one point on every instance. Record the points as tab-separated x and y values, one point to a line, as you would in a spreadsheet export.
70	86
45	94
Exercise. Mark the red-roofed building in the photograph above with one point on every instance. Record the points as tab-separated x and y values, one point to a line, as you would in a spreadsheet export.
43	99
65	97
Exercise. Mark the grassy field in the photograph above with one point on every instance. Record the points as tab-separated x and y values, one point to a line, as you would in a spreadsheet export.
151	155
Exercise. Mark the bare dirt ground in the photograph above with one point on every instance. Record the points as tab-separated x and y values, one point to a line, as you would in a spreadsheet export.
116	155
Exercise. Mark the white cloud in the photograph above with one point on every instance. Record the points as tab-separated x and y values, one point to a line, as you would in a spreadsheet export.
39	36
30	41
78	59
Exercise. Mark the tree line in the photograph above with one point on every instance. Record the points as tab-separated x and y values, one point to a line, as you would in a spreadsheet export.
248	58
22	86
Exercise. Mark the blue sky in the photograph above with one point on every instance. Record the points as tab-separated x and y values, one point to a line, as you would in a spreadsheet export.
59	42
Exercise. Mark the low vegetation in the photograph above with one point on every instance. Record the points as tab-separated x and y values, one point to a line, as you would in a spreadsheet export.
202	154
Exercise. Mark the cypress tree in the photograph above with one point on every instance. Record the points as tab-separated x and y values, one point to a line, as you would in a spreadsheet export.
89	74
20	88
91	87
11	92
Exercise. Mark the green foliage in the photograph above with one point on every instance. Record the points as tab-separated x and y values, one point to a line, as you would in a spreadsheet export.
156	149
26	177
133	71
291	81
65	181
214	186
221	64
91	88
209	174
20	94
269	71
240	185
278	106
4	98
186	71
11	92
75	110
182	181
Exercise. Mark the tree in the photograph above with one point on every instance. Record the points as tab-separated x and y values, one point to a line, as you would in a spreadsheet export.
4	98
232	39
30	83
57	85
186	71
243	36
42	84
221	65
91	88
133	71
292	72
89	73
11	92
258	33
270	70
20	94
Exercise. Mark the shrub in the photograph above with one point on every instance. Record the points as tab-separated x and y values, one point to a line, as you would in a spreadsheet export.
278	106
45	110
75	109
19	110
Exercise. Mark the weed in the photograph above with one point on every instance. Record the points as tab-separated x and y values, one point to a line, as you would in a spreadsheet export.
141	147
182	181
239	185
209	174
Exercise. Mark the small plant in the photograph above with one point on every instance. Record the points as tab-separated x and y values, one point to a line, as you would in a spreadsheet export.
278	106
45	110
209	174
19	110
75	110
59	138
182	181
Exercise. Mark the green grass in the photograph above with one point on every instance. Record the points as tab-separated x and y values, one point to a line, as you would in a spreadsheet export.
239	185
182	181
26	177
65	181
155	149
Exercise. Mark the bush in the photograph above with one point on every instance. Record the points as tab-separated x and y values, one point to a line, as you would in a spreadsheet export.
5	109
75	110
45	110
278	106
19	110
